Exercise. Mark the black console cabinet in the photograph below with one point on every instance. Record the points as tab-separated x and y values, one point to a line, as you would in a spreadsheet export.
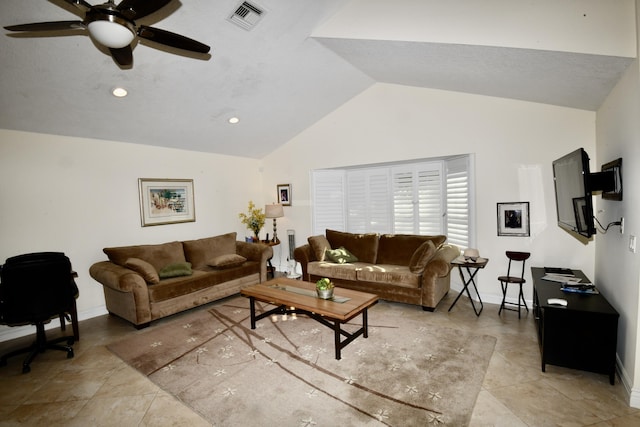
582	335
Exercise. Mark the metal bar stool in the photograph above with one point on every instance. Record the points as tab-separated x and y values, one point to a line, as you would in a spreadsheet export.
505	280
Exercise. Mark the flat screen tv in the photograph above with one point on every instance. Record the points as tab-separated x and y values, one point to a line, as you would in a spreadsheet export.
574	204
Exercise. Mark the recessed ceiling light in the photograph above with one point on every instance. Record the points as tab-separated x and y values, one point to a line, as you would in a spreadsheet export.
119	92
234	120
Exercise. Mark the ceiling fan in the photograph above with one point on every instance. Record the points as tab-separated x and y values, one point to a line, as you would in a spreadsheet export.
115	28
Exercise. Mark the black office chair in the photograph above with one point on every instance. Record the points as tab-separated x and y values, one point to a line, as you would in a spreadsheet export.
35	288
519	280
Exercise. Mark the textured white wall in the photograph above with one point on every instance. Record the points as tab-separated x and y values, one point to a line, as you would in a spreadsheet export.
78	196
514	144
618	269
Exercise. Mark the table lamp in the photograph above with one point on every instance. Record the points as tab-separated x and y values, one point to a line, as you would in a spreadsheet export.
274	211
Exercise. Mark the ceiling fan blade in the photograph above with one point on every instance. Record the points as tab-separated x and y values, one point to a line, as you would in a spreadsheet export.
171	39
136	9
48	26
80	4
123	56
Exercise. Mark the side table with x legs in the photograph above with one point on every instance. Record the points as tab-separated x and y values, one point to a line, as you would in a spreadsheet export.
472	268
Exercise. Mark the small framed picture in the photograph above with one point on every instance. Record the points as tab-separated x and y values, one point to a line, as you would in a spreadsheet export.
166	201
513	219
284	194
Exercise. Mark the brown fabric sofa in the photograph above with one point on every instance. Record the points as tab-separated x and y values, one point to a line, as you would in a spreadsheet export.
146	282
397	267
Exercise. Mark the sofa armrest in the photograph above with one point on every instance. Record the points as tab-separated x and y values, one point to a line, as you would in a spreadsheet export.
116	277
125	291
256	252
440	264
304	255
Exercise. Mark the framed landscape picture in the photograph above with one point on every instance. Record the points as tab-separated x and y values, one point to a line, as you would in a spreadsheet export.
166	201
284	194
513	219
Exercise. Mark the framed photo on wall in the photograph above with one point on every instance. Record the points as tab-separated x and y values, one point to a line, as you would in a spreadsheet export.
166	201
513	219
284	194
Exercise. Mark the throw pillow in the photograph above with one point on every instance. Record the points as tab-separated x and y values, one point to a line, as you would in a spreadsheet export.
227	261
176	270
340	255
319	244
422	256
200	252
143	268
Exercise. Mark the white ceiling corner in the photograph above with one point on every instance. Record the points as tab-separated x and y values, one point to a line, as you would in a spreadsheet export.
279	77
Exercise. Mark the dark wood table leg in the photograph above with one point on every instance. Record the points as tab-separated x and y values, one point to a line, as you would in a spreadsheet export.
365	324
252	308
338	344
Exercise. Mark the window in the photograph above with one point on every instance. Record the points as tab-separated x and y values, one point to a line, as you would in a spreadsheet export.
423	197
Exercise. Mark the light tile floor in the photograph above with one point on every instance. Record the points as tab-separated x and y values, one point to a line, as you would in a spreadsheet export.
96	388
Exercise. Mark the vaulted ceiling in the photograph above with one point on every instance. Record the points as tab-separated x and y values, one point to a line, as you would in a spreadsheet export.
277	78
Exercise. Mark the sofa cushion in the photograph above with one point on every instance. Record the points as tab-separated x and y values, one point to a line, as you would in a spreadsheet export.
157	255
399	248
422	256
201	279
396	275
227	261
200	252
340	255
143	268
333	270
319	244
176	269
363	246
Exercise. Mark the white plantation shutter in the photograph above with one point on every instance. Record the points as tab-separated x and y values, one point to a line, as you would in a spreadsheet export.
379	198
368	200
458	202
418	199
403	205
427	198
328	195
430	202
357	202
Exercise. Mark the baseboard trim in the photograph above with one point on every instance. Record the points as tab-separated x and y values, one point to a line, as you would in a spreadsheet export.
8	333
634	395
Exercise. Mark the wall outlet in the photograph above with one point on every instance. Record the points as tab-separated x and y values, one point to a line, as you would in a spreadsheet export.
632	244
622	225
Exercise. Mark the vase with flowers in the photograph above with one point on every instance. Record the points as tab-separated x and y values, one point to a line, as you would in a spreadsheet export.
253	219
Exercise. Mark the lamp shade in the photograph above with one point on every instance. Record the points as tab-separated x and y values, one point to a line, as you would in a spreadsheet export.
273	211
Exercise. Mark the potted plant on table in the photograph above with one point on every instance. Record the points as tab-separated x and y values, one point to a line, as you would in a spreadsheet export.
254	220
324	288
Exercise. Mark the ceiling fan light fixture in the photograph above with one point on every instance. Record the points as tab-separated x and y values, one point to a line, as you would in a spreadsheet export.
111	34
234	120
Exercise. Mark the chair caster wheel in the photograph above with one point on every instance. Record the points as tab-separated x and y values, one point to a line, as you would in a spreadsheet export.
26	369
70	354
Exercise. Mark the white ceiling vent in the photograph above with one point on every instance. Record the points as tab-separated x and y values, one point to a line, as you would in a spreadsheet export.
247	15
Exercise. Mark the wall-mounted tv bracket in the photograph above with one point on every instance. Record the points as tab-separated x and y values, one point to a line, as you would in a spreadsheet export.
609	182
614	170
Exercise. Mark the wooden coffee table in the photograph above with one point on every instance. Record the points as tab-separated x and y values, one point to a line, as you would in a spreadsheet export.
295	296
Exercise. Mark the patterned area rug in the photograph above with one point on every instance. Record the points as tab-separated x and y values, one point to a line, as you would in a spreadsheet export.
407	372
